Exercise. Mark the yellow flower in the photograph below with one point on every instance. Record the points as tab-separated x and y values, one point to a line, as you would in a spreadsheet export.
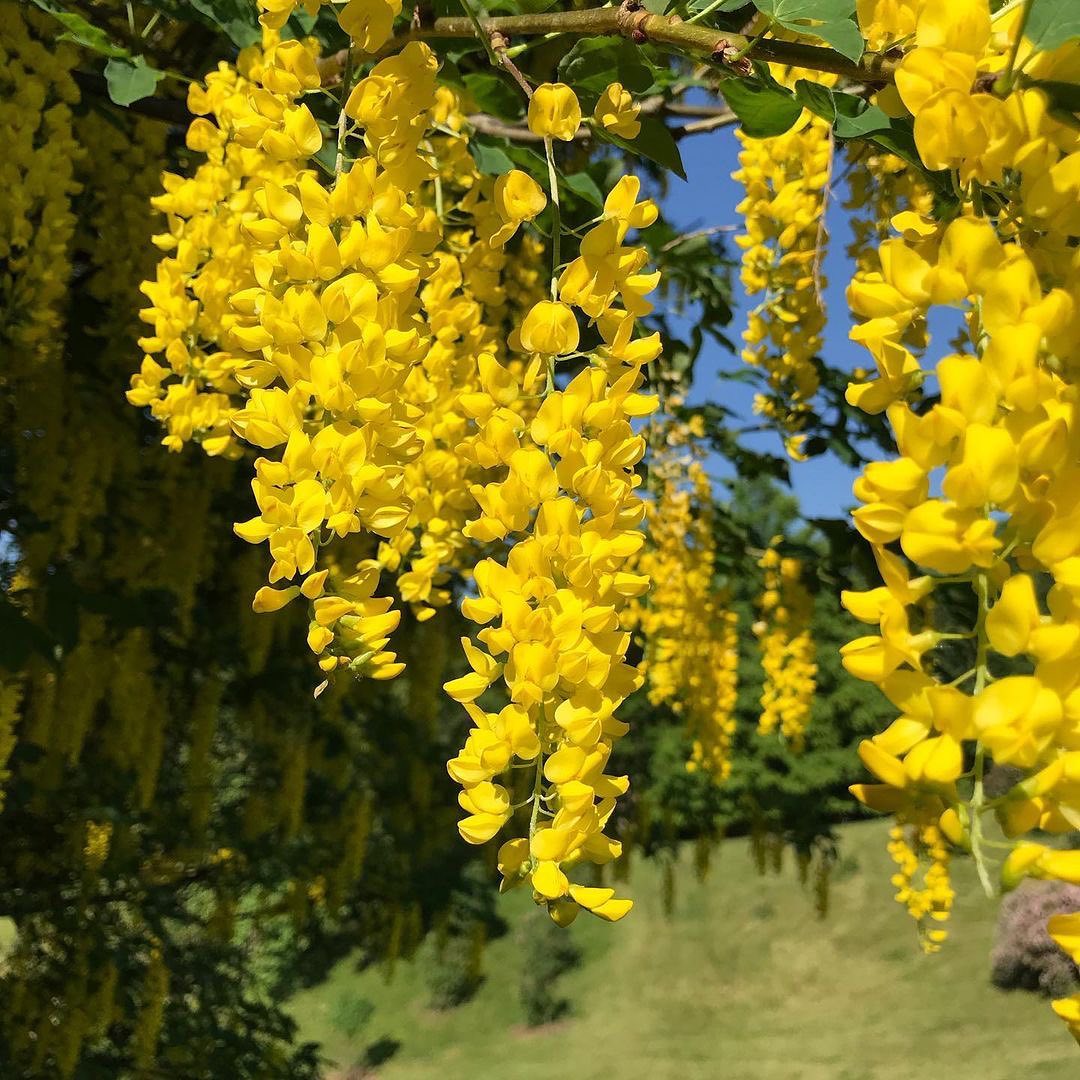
554	112
550	328
518	198
617	112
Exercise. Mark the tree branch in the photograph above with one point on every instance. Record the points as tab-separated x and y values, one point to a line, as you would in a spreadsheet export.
629	20
702	118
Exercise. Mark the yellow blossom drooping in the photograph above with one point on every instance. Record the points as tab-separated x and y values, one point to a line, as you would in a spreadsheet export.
303	338
554	112
40	155
691	641
617	111
556	613
787	649
786	179
930	903
982	495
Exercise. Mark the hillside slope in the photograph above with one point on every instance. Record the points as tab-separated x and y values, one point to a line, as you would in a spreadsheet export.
741	982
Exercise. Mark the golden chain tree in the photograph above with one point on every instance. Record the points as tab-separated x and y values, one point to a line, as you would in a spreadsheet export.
414	302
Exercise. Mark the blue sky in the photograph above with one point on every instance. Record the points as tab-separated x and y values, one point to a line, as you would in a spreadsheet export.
709	197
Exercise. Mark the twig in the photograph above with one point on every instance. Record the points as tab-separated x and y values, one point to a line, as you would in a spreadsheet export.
713	118
499	44
629	20
700	127
712	230
822	228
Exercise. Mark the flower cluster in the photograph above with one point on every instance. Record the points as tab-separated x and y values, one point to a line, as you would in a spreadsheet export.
372	330
288	318
36	182
786	180
189	376
982	497
691	642
787	649
467	302
930	903
555	614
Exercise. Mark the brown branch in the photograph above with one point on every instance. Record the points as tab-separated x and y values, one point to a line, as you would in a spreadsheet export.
712	230
706	118
630	21
499	45
701	127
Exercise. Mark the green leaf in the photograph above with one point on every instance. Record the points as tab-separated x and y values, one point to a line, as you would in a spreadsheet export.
131	80
80	31
851	117
237	19
844	36
1051	23
727	5
494	95
654	142
584	186
817	98
489	156
1062	95
594	63
763	110
302	21
831	20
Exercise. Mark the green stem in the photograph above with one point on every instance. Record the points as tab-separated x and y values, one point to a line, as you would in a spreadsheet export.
343	120
1005	80
978	796
756	39
480	32
538	782
706	11
556	215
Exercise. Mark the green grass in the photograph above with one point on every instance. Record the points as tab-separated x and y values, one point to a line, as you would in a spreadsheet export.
741	982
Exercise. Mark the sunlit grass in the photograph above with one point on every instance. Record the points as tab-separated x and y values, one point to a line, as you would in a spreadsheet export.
740	982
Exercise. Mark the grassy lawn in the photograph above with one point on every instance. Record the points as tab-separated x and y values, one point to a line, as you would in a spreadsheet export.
741	982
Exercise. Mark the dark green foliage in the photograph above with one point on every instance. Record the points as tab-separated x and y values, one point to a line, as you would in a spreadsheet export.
351	1013
548	953
470	920
454	974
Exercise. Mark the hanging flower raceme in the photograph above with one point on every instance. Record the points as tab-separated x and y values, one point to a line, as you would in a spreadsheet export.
786	178
982	496
555	614
40	154
930	902
191	378
787	649
467	303
690	635
309	323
